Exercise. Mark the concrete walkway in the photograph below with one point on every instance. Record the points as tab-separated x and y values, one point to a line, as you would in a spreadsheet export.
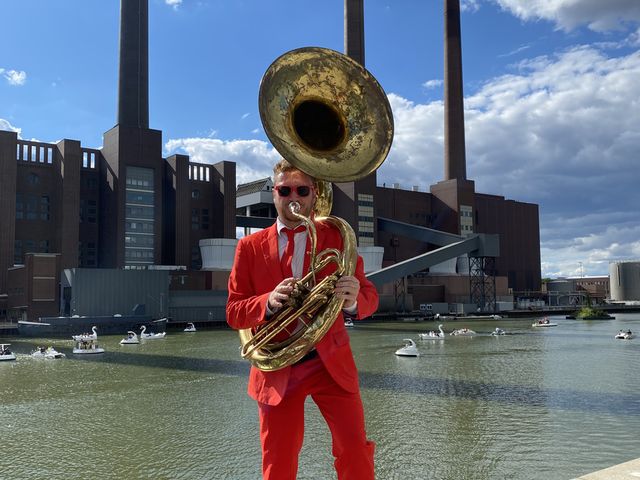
624	471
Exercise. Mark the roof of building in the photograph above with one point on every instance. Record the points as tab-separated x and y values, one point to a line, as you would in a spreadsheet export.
253	187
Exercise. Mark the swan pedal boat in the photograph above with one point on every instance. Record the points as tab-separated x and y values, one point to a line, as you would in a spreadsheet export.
48	353
130	339
498	331
431	335
5	353
409	350
86	337
544	322
348	323
87	347
463	332
190	327
628	335
151	336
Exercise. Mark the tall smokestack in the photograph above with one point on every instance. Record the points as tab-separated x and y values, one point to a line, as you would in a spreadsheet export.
455	163
133	82
354	30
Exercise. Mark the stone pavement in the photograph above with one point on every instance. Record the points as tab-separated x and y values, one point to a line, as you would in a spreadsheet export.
624	471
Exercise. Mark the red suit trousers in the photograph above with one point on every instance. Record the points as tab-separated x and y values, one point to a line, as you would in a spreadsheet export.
282	426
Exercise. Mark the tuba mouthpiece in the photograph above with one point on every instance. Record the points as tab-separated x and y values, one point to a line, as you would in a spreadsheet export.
294	207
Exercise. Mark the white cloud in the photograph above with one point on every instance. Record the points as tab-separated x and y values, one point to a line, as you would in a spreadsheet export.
175	4
598	15
244	115
469	5
254	158
6	125
561	132
433	83
14	77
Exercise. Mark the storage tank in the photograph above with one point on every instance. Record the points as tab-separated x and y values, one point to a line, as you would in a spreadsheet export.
624	279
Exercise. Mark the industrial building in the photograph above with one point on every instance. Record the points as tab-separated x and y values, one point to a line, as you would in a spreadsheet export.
124	206
625	281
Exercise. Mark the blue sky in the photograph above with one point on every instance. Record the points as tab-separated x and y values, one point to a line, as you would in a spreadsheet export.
552	96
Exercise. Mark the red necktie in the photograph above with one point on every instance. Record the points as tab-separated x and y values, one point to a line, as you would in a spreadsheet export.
287	256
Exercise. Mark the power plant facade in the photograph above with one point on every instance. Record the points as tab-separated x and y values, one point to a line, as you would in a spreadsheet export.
124	206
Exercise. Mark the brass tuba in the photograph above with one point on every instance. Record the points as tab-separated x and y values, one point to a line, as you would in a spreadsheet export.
329	117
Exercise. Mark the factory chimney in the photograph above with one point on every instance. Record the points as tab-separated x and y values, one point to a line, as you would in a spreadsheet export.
454	148
133	81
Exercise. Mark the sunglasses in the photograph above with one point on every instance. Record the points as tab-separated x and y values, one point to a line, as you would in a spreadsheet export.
285	190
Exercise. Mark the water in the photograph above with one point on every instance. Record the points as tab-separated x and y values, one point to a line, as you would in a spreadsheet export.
552	403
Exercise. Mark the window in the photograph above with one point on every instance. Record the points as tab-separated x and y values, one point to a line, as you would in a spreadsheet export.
195	219
204	219
32	206
139	216
195	193
33	179
44	207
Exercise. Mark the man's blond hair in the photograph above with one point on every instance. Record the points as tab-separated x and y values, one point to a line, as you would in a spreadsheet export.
285	166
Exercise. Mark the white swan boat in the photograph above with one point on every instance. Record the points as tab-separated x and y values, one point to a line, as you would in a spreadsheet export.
87	347
543	322
48	353
463	332
431	335
190	327
150	336
409	350
85	337
348	323
130	339
5	353
498	331
621	335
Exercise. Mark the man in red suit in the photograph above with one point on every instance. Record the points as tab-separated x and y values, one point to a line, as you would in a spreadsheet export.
260	284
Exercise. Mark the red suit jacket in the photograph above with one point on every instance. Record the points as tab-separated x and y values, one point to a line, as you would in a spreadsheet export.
256	272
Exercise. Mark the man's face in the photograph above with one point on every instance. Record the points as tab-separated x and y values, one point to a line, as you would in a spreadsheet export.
293	179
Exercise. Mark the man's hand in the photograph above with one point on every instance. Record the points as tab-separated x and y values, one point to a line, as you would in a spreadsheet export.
347	287
279	296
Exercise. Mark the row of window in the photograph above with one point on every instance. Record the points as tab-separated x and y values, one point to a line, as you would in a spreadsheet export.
34	153
32	207
88	211
199	172
200	219
87	254
138	226
139	198
139	212
139	182
88	159
138	241
138	255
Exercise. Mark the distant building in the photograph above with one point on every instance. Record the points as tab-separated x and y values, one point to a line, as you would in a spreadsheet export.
625	281
120	206
573	291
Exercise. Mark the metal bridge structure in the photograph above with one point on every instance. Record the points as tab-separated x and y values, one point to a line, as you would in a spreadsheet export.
481	248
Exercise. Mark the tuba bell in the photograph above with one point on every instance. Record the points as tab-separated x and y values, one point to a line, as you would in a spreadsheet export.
329	117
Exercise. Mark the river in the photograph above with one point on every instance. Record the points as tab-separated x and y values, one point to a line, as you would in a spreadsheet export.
548	403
